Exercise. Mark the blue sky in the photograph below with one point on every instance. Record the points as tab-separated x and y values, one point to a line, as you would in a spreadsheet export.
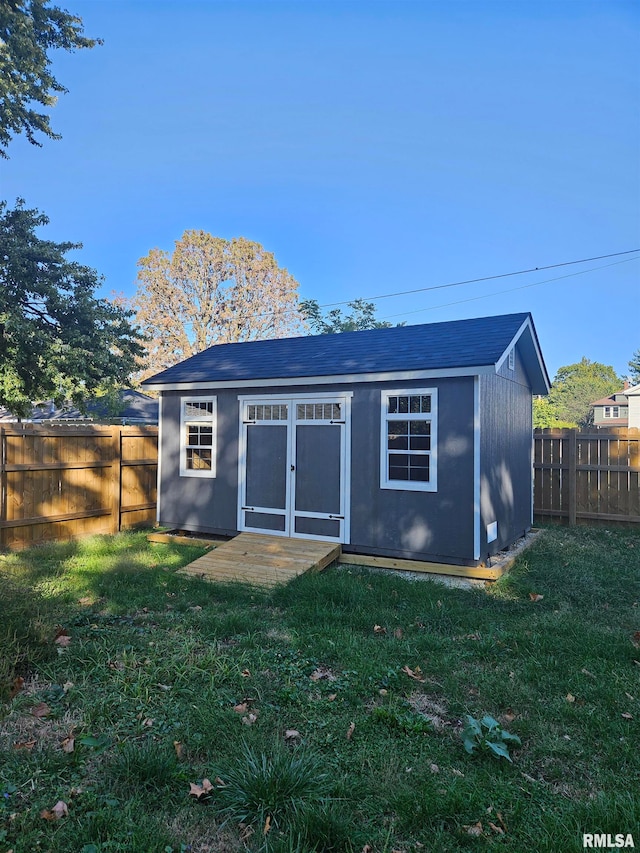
374	147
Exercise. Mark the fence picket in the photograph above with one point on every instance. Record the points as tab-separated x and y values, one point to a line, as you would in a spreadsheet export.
59	482
597	480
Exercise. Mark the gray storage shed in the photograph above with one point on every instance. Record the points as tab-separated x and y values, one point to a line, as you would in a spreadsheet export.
411	442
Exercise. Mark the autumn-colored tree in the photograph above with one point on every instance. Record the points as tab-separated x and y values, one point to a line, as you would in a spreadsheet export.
211	291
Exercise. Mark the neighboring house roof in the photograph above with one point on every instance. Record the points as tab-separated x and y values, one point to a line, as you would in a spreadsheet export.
611	399
458	347
634	391
135	407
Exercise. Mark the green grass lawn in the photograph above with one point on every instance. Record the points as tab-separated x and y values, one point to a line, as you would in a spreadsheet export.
140	683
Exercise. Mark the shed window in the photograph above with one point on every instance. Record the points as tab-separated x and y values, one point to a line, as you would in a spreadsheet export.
612	411
198	437
408	440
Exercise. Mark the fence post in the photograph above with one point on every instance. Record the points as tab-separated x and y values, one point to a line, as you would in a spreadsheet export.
116	479
572	473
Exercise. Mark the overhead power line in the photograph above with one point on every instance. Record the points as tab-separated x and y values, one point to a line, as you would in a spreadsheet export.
509	290
484	278
452	284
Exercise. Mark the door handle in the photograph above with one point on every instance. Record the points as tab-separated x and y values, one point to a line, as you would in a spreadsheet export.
293	467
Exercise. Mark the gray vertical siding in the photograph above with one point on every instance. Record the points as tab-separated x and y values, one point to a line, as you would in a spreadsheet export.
388	522
419	525
505	455
201	504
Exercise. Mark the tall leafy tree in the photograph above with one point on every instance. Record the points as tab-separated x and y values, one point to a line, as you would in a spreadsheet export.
211	291
634	368
56	338
362	316
577	386
29	29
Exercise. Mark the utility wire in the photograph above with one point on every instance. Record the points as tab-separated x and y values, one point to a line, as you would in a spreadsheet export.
485	278
294	309
511	289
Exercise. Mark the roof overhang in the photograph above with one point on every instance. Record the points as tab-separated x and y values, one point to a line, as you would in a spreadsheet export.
391	376
531	354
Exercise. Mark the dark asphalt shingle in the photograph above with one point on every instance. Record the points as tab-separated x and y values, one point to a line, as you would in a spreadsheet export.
438	346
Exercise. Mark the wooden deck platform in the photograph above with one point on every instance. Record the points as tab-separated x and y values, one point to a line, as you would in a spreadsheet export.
263	560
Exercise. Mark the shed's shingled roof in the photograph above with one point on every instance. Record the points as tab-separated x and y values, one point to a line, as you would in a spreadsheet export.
433	346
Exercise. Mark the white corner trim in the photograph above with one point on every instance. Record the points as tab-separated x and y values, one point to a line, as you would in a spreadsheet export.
476	468
159	468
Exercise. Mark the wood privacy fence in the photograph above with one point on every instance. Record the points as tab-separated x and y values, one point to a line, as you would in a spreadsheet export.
587	477
60	482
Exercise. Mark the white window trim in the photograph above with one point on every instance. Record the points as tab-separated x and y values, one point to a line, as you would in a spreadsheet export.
511	360
409	485
184	421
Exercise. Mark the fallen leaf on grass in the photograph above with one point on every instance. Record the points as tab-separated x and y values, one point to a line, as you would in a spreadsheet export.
25	744
398	633
476	829
351	730
267	825
367	849
434	768
245	673
322	673
250	719
416	673
496	828
457	772
292	734
68	745
570	697
586	672
62	637
196	608
179	748
534	596
41	710
636	639
627	716
67	686
58	811
202	790
242	708
378	629
16	687
501	819
332	697
509	715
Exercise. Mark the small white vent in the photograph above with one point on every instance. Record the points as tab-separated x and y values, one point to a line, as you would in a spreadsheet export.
492	532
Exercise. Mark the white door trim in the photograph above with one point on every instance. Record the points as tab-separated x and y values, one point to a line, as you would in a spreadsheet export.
342	397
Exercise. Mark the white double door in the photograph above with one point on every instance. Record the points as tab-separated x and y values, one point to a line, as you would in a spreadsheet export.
293	466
